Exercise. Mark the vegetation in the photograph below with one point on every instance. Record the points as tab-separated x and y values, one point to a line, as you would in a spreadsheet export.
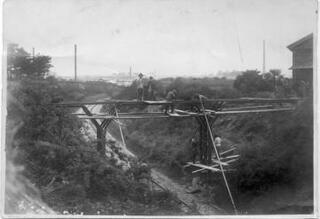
67	169
276	149
21	64
270	84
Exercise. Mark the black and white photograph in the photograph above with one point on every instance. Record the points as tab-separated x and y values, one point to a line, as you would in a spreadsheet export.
159	108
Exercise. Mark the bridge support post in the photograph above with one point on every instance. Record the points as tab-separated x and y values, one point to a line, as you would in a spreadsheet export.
101	129
204	141
101	140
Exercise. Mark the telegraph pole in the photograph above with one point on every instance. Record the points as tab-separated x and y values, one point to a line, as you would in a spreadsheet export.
264	57
75	62
32	52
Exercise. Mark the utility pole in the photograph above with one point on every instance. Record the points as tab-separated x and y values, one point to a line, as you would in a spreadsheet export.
33	52
264	57
75	62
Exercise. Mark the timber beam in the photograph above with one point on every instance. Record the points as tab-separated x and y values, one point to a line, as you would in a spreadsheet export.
180	113
183	102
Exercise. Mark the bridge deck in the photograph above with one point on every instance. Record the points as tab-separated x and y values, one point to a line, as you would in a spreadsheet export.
184	102
178	114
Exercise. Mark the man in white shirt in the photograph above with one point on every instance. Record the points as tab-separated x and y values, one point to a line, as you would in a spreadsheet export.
217	142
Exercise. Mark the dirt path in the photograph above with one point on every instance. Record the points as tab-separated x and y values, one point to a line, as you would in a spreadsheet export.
179	190
191	200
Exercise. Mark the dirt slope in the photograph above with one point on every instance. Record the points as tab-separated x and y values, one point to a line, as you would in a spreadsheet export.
192	200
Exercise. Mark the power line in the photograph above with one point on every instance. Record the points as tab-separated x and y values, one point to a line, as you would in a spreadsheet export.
237	32
264	57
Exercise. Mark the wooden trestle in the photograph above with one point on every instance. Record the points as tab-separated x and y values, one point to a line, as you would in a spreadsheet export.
205	111
188	108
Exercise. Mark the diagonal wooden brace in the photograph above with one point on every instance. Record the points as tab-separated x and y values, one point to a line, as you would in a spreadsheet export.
101	132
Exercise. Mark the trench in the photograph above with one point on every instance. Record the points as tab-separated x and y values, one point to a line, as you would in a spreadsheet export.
186	200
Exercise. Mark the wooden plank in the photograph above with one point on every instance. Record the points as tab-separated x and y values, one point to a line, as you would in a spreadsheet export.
230	157
134	117
220	162
227	151
133	102
175	115
210	111
253	111
186	112
156	102
246	107
97	117
203	166
125	114
141	113
150	115
199	170
231	161
124	117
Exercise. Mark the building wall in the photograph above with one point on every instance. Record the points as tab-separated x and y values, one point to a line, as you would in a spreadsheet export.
303	75
302	58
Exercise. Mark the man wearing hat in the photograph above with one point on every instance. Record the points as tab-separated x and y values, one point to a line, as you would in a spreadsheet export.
140	88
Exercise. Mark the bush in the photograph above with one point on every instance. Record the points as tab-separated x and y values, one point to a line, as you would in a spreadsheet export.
283	153
55	156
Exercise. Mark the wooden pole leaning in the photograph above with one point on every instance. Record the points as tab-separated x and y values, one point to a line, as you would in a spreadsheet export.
121	132
217	155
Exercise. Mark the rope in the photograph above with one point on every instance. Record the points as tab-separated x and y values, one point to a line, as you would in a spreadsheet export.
217	154
237	31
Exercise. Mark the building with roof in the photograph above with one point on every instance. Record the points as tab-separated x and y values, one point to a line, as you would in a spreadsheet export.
302	59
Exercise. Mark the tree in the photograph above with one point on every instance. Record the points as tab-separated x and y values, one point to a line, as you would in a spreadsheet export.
15	60
21	64
276	74
250	82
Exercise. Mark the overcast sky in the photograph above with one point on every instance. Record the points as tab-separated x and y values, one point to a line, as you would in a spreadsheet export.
169	37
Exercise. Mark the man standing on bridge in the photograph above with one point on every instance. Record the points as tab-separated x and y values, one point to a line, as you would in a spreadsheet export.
150	88
171	96
140	88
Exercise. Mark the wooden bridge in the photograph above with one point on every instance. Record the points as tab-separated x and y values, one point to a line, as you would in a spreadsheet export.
129	109
204	111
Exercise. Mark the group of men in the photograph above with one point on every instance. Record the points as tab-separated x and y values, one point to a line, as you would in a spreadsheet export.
150	88
141	88
197	155
197	151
